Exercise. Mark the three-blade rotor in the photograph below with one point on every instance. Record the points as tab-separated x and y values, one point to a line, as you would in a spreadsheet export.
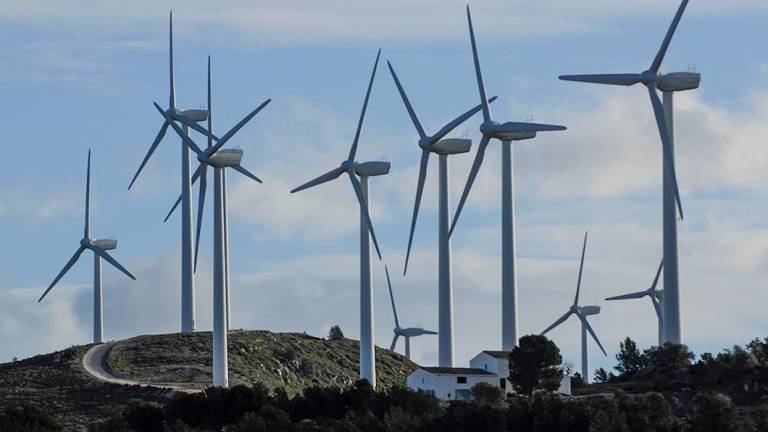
653	293
426	142
86	242
576	309
349	165
652	79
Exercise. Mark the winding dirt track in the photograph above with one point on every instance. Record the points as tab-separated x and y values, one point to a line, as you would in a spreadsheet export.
93	363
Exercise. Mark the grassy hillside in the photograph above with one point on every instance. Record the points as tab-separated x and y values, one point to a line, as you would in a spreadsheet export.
57	383
288	360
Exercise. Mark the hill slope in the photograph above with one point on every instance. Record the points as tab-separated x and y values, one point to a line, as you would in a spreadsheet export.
58	384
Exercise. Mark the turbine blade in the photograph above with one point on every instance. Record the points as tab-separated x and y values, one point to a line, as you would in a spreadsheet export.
657	307
610	79
391	296
581	269
417	203
458	120
184	137
634	295
656	65
592	332
200	207
178	200
186	121
669	161
245	172
478	73
63	271
172	99
557	323
411	112
158	138
394	342
210	121
237	127
330	175
528	127
658	273
87	229
471	180
364	209
353	150
102	253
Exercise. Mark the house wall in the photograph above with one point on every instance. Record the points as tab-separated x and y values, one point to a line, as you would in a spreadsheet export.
444	386
495	365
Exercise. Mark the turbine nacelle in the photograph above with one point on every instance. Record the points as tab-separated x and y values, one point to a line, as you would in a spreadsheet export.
223	158
371	169
589	310
413	331
106	244
451	146
196	115
679	81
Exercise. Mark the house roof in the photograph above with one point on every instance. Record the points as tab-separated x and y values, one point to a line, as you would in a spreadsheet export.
456	371
498	354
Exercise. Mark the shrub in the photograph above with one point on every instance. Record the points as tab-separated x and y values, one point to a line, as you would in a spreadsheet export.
26	418
487	394
144	417
335	333
713	412
535	364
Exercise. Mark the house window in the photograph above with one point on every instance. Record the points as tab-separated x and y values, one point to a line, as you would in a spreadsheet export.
503	383
422	380
461	380
462	394
486	366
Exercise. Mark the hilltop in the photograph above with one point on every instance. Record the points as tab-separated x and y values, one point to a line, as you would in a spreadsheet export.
58	383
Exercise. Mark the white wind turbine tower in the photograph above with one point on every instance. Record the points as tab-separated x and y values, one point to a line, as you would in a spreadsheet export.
406	332
582	312
189	119
506	133
443	148
363	169
219	159
656	296
668	83
99	249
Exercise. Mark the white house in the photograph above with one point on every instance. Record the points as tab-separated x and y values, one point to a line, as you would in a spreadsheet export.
496	362
490	367
449	383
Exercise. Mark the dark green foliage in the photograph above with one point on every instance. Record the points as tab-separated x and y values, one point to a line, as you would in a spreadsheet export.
26	418
669	361
535	364
335	333
144	417
630	360
713	412
487	394
602	376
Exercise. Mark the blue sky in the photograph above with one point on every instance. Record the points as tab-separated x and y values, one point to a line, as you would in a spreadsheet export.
85	76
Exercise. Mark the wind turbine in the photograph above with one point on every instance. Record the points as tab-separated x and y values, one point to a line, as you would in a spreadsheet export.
668	83
656	296
407	332
220	159
99	249
189	119
582	312
506	133
363	169
443	148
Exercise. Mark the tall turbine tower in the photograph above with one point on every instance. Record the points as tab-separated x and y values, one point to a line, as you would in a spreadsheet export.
189	119
443	148
406	332
363	169
668	83
657	298
506	133
582	312
99	248
219	159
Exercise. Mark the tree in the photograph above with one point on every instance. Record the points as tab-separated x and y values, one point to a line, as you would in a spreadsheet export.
669	360
603	376
335	333
535	364
487	394
631	360
713	412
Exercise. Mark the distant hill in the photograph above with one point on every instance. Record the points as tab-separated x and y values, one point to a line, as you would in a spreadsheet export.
58	383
